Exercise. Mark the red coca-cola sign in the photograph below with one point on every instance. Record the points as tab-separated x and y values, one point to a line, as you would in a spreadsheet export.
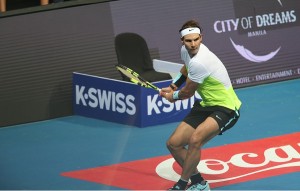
223	165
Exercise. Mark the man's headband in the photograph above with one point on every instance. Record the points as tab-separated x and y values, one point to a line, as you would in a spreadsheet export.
190	31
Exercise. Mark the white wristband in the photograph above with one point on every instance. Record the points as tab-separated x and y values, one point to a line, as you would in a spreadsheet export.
176	95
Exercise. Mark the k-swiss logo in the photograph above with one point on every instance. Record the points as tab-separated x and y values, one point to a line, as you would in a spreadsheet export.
224	165
157	105
104	100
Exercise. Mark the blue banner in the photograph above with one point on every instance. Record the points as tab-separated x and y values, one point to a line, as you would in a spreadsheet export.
124	102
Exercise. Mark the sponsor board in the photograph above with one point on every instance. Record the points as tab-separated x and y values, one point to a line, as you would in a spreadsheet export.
284	74
126	103
220	166
256	21
253	33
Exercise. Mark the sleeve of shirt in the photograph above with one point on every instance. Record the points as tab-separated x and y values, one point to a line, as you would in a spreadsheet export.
182	53
197	72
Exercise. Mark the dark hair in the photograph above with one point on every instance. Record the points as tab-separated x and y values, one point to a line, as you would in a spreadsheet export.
190	23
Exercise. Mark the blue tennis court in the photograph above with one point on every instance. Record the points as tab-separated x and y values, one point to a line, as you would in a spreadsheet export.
34	155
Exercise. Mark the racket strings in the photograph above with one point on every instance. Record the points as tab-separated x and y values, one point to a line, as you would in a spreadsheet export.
135	77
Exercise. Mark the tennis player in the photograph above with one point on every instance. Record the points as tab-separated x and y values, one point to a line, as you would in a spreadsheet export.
217	112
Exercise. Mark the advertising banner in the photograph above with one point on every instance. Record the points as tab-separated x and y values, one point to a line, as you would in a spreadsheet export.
125	103
256	40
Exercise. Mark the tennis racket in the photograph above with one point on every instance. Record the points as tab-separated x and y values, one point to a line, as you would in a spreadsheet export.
135	77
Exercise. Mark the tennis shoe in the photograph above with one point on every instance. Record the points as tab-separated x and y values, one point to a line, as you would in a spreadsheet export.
199	187
176	187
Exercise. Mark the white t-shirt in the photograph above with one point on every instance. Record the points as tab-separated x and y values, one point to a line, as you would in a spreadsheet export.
215	86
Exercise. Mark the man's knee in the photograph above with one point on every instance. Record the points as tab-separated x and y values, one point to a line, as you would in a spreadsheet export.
195	142
171	145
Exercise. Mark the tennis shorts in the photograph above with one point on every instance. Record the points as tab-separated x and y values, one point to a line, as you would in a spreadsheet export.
226	118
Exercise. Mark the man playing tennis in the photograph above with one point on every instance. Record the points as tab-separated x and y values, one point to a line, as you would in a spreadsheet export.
217	112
